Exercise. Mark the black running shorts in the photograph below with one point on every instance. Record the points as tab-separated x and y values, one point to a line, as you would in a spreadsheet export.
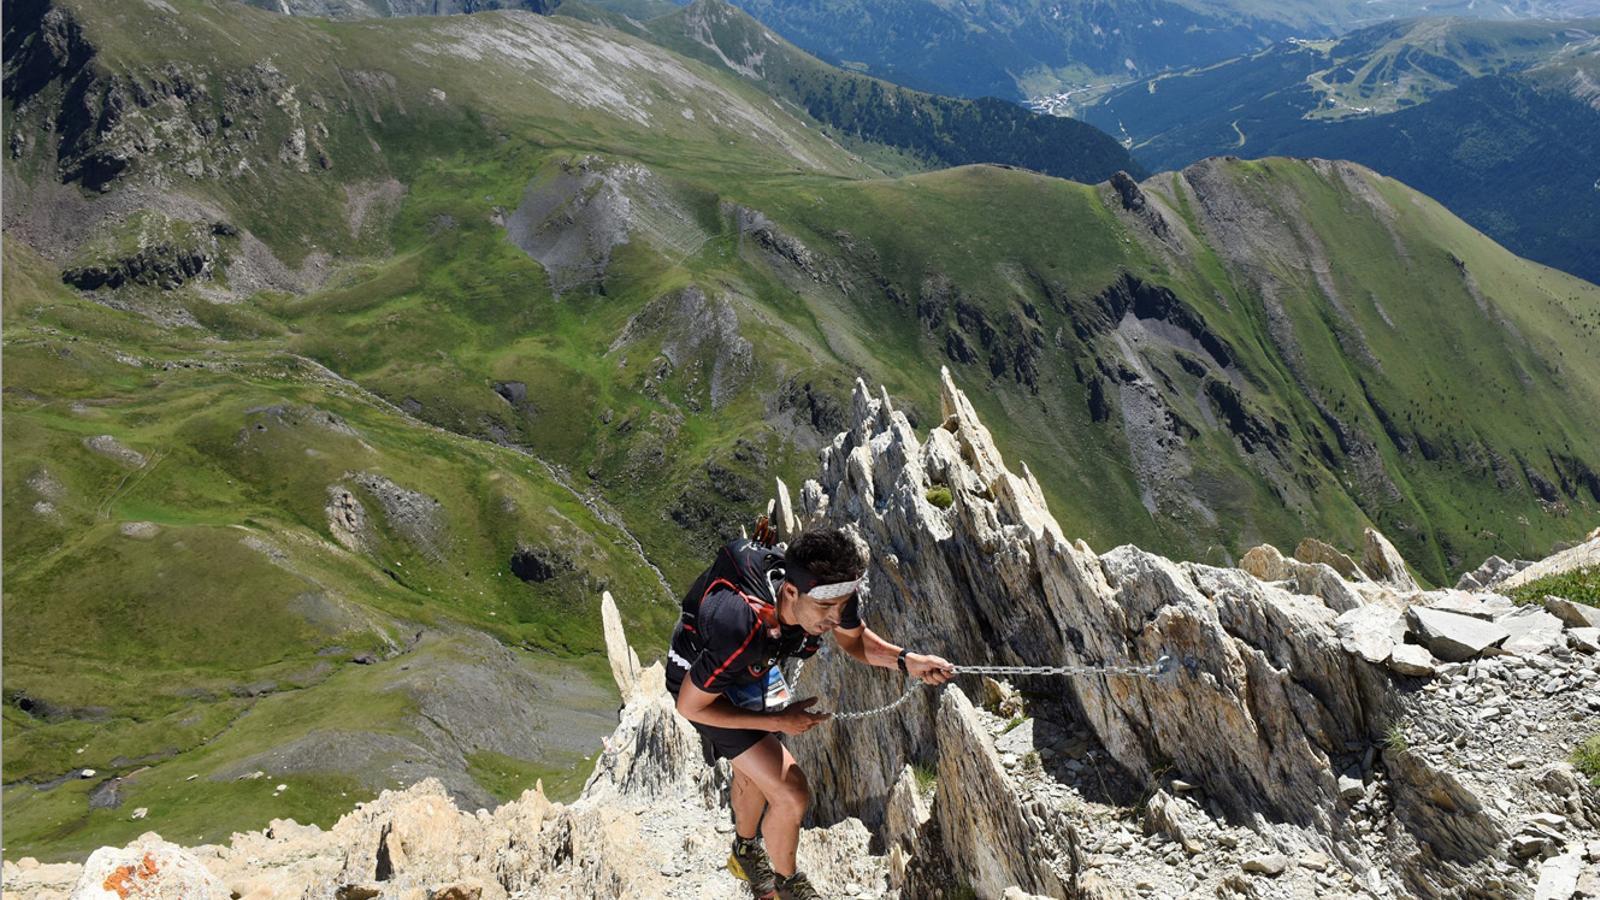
726	743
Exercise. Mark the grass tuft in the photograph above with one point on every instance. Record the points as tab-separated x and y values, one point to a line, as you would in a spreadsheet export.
1578	585
1395	739
1586	759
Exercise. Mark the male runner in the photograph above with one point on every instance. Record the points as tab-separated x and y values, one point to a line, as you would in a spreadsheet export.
755	606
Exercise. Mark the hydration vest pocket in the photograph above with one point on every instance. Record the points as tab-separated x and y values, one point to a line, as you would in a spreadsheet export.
770	694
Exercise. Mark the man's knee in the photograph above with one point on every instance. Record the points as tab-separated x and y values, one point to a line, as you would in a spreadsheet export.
795	794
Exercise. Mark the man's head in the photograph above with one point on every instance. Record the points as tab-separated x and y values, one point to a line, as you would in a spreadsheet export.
821	567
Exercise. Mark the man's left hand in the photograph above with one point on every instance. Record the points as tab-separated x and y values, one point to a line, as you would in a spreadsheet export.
931	669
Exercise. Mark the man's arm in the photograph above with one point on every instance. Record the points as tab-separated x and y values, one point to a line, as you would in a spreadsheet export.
715	710
867	646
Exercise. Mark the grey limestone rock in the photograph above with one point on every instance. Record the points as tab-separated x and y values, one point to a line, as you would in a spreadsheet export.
1478	606
1311	550
1493	571
108	446
1451	636
1532	632
1573	615
1373	630
984	830
993	579
1383	563
1410	659
1267	864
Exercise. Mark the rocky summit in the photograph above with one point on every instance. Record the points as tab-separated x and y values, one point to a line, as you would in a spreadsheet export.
1312	733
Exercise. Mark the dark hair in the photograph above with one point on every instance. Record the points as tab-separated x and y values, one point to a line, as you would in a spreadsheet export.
829	554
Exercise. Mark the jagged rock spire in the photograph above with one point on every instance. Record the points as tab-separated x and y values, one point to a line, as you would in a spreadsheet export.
994	579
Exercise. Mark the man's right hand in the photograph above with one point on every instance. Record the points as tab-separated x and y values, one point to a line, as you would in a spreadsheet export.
798	719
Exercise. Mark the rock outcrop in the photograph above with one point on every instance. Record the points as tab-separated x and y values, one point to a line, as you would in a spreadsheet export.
1315	735
1270	707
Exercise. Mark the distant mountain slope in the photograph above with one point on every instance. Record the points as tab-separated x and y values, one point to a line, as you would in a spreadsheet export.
939	131
1499	121
364	9
918	130
322	334
1013	48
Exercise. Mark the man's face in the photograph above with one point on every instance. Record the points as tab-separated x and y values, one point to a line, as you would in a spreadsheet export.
815	616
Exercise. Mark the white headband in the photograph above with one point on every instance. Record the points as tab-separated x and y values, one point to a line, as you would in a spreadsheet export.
837	590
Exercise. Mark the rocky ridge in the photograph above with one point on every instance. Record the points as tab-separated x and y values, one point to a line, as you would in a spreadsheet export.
1317	734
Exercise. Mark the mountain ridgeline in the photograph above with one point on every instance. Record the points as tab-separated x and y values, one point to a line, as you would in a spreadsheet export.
1025	48
920	130
934	130
1500	121
331	343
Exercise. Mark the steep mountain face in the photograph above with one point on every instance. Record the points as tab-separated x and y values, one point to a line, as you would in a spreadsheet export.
1017	48
1496	120
369	350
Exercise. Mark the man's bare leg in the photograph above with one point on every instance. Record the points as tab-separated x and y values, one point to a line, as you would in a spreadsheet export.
774	773
748	803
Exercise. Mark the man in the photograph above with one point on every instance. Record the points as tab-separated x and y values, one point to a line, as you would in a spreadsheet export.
755	606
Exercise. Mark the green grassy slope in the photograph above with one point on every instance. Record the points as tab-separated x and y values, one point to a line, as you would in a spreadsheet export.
160	609
528	332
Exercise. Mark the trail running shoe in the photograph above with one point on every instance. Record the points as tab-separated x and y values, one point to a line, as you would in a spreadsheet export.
797	887
748	862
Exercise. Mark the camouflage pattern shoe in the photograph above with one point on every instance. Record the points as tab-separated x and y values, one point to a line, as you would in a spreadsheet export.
797	887
749	862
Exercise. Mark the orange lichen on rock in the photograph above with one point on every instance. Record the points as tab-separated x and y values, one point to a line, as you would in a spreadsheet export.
123	878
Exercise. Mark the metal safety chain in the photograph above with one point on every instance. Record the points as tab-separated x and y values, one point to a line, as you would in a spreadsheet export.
1159	668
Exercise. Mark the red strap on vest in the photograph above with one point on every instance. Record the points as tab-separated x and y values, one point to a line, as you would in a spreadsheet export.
765	612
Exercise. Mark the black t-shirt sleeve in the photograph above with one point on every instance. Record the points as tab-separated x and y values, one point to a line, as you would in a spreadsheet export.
728	630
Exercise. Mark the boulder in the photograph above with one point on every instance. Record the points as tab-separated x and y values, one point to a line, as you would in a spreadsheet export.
1383	563
1573	615
1272	864
1585	640
1410	659
1532	631
1453	637
906	814
1371	631
1493	571
1265	563
1478	606
1558	877
1311	550
1314	579
149	868
1315	860
1322	581
1179	819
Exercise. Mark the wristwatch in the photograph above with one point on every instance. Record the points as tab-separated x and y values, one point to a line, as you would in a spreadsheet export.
901	660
